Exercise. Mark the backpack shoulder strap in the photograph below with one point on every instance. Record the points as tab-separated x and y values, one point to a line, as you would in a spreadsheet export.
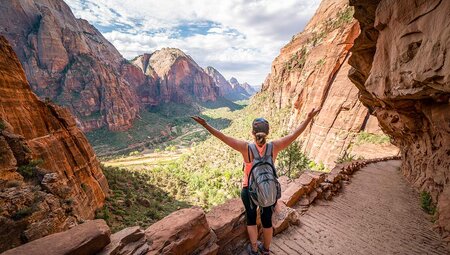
269	150
254	151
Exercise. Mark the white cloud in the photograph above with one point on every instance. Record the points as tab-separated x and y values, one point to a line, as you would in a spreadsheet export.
238	37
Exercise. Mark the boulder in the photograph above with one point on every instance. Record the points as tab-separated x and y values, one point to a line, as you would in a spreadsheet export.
128	241
86	238
293	192
283	217
308	181
227	221
185	231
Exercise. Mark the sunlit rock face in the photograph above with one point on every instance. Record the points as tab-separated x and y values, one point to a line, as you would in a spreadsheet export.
68	61
50	178
225	87
180	78
311	71
401	67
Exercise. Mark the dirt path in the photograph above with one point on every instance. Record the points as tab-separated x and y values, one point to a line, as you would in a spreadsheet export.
377	213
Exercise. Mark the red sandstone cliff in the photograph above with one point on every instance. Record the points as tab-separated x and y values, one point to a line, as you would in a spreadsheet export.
69	62
50	178
311	71
180	78
231	90
402	70
225	87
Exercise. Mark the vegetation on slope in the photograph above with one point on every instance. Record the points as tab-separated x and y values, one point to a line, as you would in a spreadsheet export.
155	126
135	200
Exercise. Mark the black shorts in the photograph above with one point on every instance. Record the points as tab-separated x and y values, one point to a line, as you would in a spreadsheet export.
250	211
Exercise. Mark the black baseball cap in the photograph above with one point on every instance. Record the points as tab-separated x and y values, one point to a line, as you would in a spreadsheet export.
260	125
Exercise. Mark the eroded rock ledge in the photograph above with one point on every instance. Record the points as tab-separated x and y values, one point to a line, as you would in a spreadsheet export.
402	70
50	178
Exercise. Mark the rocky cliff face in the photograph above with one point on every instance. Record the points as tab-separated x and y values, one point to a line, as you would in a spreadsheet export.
311	71
238	91
250	90
231	90
180	78
50	178
225	87
402	71
69	62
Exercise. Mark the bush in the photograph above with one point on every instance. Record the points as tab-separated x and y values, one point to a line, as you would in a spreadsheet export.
346	157
2	125
318	167
366	137
134	153
22	213
11	184
292	161
102	214
28	171
426	202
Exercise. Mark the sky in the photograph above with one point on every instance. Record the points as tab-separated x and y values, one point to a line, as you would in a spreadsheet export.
240	38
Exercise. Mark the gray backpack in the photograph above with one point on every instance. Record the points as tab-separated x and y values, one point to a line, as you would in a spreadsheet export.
263	186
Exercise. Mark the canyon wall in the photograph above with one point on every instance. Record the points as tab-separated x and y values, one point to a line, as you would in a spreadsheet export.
50	178
231	90
402	70
311	72
180	78
69	62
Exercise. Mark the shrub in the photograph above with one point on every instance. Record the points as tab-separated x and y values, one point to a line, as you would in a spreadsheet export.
345	157
426	202
13	183
318	167
2	125
68	201
292	161
102	214
134	153
22	213
29	170
366	137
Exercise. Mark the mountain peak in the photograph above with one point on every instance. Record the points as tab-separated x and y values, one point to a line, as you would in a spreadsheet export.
234	81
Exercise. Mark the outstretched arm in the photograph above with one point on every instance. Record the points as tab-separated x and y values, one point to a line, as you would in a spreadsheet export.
234	143
285	141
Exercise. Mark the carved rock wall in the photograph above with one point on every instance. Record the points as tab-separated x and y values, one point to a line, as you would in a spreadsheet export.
402	70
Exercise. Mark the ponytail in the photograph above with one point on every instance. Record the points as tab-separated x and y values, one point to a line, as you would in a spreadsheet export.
260	138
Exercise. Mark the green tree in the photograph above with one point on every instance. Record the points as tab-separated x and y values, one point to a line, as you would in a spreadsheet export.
292	161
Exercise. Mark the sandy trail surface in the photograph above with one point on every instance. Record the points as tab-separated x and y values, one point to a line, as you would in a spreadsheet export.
378	212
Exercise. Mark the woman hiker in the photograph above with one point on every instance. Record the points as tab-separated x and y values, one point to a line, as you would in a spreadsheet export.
260	130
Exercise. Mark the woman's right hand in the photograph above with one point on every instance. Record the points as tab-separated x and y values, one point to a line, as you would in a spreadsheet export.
313	112
199	120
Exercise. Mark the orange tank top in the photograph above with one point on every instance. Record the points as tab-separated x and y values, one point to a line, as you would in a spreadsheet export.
248	166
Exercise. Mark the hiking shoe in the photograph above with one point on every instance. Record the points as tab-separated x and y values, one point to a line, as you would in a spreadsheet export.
250	250
262	250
